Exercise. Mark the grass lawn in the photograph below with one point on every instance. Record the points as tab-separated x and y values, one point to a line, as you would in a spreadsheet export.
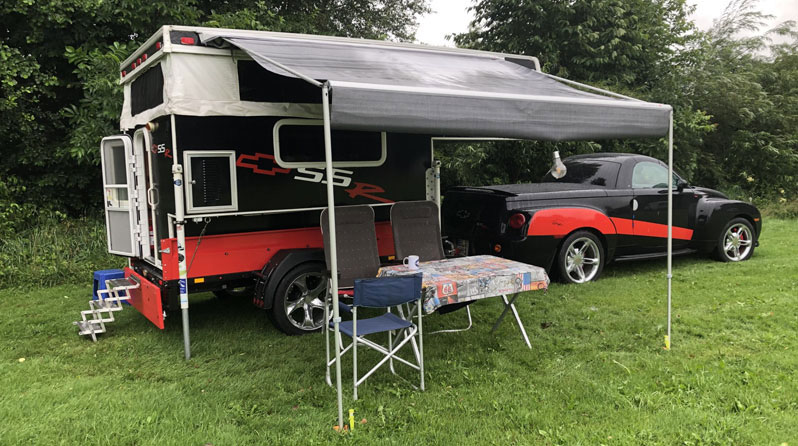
597	373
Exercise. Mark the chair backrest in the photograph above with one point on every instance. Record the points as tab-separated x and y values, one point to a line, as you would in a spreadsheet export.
417	230
387	291
356	243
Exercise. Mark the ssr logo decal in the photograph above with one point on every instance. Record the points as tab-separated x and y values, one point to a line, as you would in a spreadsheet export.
253	162
366	190
340	177
161	149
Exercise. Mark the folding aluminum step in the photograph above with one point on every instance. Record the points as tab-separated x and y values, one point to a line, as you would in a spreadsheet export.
101	311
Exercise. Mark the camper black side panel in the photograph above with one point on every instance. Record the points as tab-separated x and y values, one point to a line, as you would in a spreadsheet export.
260	184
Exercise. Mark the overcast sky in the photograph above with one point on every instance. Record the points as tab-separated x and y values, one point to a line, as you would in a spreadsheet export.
450	16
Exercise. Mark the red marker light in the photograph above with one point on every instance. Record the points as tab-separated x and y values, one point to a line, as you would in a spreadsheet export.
497	248
517	221
187	40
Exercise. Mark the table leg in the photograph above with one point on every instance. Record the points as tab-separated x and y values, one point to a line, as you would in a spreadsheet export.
455	330
509	306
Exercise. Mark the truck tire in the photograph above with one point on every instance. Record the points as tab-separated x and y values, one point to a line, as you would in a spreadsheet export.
736	241
581	258
299	300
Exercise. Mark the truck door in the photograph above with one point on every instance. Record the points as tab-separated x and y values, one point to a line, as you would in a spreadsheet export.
650	184
121	222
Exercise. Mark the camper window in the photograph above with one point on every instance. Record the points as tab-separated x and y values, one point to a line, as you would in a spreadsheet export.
146	91
115	167
300	143
210	181
258	84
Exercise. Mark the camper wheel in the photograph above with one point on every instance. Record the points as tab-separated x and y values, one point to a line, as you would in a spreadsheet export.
299	301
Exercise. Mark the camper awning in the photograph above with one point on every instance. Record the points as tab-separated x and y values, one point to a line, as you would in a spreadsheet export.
419	89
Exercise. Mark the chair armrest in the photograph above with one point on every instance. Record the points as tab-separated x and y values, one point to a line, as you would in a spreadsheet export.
344	307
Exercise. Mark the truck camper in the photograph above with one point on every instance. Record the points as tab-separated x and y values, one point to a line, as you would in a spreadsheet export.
246	141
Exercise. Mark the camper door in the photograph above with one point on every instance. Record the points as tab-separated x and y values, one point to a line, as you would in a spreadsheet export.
120	196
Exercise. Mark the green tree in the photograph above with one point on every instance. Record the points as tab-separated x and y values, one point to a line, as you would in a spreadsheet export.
613	42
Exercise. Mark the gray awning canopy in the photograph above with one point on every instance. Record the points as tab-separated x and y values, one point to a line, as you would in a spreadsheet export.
418	89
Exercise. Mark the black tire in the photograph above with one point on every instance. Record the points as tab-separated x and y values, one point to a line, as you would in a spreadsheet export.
298	306
575	250
736	242
236	292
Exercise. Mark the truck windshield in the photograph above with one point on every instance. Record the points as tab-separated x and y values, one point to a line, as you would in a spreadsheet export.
592	172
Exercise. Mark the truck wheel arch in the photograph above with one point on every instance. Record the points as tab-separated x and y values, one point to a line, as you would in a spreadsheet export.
280	264
563	221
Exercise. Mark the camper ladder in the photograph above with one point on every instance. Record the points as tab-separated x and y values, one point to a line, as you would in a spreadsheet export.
102	309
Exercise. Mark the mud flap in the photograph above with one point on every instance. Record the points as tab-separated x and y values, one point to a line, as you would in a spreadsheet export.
147	299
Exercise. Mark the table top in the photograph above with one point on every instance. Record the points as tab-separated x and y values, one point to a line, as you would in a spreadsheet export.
464	279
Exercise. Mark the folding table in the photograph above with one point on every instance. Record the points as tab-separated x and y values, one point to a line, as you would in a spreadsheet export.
465	279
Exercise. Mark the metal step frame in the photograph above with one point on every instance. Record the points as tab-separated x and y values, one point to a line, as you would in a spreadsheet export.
101	311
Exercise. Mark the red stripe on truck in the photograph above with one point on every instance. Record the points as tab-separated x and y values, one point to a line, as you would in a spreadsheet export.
560	222
647	229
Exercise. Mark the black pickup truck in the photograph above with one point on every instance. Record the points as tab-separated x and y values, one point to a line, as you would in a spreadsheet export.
609	206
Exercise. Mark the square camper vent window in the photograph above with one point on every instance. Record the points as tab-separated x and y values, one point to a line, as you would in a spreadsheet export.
146	91
300	143
210	181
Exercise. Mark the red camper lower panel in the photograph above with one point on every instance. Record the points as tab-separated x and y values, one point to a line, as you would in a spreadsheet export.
249	251
147	299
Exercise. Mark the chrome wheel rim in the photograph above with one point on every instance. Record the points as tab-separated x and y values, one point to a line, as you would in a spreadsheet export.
737	242
304	301
582	260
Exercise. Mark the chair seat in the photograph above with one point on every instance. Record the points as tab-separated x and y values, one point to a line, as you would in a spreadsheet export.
386	322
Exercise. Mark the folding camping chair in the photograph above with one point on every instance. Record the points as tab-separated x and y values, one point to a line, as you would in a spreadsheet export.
417	231
358	257
385	292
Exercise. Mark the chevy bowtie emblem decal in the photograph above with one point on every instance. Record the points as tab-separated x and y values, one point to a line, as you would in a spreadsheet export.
462	213
253	162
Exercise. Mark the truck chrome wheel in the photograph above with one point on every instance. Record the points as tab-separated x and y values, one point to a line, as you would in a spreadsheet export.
736	242
304	302
581	258
299	300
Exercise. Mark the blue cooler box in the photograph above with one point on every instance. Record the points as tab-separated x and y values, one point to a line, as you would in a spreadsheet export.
101	276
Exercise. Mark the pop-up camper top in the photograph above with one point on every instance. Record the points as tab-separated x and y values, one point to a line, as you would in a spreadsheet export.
239	133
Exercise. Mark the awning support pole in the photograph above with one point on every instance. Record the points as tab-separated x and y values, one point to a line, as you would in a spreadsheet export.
180	223
325	103
670	227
